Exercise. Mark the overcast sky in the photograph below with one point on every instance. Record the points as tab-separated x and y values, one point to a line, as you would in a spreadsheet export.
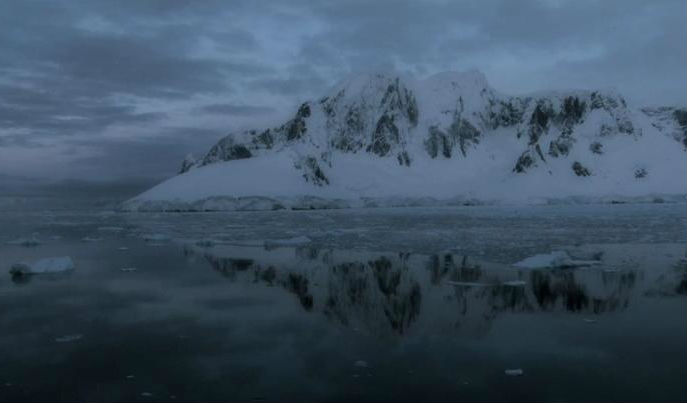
116	90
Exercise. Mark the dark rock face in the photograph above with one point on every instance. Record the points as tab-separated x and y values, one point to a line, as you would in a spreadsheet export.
525	161
403	158
226	150
187	164
561	146
385	135
460	134
580	170
506	113
596	148
680	116
312	172
539	121
348	139
296	128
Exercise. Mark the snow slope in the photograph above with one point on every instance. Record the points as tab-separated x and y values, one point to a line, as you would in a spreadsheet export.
449	139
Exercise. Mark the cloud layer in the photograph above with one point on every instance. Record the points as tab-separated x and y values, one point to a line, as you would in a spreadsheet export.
107	90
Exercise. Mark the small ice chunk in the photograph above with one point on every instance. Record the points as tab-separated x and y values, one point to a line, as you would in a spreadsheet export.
299	240
587	320
514	283
468	284
110	229
361	364
128	269
68	338
514	372
43	266
155	237
130	377
246	242
146	394
123	248
205	243
91	239
554	259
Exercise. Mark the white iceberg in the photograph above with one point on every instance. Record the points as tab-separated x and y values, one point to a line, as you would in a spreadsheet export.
43	266
554	259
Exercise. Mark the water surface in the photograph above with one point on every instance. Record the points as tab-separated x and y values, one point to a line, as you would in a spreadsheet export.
381	304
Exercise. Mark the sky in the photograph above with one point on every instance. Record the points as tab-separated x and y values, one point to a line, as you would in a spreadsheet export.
120	91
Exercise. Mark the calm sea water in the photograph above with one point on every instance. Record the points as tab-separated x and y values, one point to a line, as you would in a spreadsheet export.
367	310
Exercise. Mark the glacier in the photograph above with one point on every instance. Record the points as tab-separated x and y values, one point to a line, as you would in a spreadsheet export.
450	139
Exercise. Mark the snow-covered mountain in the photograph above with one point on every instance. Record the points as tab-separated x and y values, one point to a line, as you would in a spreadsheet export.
380	139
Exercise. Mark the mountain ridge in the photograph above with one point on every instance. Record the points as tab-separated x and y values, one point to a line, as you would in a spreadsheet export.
372	119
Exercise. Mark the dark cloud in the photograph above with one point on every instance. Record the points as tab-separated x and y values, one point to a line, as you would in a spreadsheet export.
70	71
236	110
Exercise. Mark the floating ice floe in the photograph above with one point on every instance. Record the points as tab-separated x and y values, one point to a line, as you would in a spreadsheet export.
123	248
514	372
588	320
68	338
205	243
43	266
128	269
110	229
155	237
469	284
514	283
25	242
91	239
299	240
554	259
361	364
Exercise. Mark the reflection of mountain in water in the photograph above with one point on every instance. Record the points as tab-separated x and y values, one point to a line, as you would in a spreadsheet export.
392	294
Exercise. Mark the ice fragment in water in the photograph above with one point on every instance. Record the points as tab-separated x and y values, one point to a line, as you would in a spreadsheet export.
68	338
514	283
514	372
25	242
299	240
128	269
552	260
43	266
155	237
361	364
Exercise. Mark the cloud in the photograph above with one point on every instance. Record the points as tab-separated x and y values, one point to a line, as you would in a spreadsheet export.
108	84
236	110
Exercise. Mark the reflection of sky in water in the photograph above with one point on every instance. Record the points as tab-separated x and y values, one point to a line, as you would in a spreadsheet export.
236	322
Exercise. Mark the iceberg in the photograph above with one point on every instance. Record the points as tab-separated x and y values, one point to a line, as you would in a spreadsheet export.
560	259
43	266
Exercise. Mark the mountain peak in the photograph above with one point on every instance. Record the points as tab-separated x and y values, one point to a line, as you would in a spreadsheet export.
380	134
